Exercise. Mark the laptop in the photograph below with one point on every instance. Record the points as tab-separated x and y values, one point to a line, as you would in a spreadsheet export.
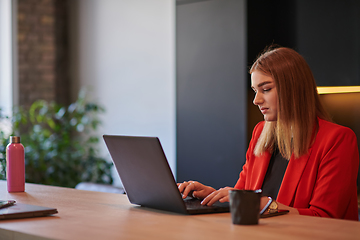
147	177
20	210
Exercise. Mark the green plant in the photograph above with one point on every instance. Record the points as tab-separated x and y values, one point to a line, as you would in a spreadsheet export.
60	144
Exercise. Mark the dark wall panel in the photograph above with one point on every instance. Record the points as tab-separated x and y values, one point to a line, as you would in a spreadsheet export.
211	91
328	36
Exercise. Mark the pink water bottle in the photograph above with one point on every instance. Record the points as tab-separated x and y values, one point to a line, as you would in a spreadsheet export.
15	165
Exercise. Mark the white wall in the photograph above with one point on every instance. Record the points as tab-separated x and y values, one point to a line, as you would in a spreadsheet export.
125	51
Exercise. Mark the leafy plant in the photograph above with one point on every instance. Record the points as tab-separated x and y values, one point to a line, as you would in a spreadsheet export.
60	144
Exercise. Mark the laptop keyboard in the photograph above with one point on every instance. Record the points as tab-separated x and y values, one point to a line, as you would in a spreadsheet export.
194	203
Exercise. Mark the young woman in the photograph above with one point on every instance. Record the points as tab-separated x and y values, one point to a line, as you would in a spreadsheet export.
297	155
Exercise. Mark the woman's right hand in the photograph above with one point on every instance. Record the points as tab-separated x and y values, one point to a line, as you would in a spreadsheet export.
194	189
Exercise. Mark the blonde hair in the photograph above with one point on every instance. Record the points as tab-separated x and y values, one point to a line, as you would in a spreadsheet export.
299	104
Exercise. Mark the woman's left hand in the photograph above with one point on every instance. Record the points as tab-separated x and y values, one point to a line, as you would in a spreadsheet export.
221	195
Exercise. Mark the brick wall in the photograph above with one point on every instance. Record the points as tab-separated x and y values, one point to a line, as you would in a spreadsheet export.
42	51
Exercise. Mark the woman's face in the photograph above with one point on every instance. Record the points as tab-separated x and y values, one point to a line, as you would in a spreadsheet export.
266	97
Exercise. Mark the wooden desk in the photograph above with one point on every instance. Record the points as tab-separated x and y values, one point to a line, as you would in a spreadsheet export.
95	215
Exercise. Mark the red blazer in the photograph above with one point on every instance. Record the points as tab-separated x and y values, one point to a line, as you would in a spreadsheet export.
320	183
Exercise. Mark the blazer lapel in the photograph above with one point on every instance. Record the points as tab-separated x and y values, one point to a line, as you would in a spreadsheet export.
259	172
291	178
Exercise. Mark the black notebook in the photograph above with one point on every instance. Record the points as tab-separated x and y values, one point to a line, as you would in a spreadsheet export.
147	177
20	210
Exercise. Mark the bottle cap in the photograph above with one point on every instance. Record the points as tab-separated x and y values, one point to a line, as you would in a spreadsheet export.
14	139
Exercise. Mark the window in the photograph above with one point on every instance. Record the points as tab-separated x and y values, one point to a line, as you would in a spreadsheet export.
6	83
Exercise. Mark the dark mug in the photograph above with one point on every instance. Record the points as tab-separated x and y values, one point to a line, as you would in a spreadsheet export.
245	206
